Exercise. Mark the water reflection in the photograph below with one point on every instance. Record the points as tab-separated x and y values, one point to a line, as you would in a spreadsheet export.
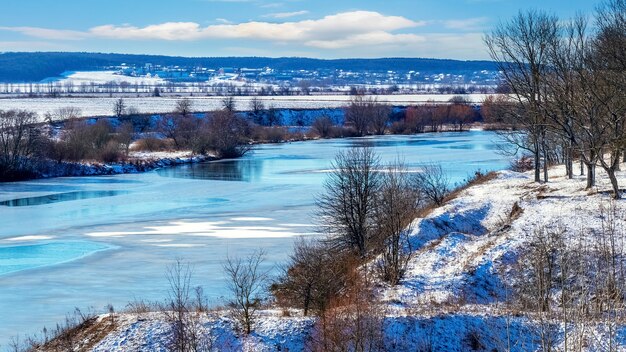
245	170
59	197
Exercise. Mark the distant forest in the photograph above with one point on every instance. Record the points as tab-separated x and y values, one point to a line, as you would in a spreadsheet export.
36	66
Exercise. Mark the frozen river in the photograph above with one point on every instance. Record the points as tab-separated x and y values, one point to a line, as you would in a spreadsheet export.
91	241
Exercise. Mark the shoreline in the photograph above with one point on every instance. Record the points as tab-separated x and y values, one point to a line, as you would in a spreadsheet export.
52	169
148	161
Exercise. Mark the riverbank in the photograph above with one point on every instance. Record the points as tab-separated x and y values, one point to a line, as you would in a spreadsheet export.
455	295
135	163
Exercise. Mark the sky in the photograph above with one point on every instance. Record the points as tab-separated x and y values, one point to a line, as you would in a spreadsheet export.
274	28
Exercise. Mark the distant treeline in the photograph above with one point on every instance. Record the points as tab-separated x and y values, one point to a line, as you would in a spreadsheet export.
36	66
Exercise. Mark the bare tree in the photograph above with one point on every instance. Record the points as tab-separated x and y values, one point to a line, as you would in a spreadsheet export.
520	49
356	114
119	107
183	311
367	114
184	107
347	206
246	282
125	133
227	134
177	309
18	141
257	109
228	104
397	203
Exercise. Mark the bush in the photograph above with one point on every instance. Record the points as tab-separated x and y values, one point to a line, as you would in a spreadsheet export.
152	144
111	152
433	183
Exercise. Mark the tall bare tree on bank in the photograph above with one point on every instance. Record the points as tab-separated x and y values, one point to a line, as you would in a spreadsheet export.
246	282
520	49
367	115
257	109
608	67
227	134
397	203
347	205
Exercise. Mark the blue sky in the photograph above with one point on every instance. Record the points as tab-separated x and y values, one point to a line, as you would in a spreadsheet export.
311	28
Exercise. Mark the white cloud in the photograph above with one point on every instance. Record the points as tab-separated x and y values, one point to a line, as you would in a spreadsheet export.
347	34
339	29
286	14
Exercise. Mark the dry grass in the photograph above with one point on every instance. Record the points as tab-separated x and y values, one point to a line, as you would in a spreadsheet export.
81	338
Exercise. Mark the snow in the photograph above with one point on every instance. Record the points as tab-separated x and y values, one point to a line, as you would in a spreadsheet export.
101	77
450	297
103	106
29	238
217	229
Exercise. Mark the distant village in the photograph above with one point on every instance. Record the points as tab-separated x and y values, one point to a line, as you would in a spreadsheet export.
157	80
318	79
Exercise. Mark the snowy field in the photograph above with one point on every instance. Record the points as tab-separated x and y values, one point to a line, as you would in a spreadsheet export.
450	296
103	106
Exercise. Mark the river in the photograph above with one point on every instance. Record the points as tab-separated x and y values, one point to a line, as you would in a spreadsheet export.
92	241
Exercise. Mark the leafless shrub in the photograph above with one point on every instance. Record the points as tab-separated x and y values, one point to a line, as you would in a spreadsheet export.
522	164
353	322
152	144
323	126
433	183
314	275
64	113
184	311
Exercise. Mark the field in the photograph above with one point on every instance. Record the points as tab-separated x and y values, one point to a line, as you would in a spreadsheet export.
154	105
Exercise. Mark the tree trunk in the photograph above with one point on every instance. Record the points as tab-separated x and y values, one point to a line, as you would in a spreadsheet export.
569	163
591	175
582	168
616	192
537	166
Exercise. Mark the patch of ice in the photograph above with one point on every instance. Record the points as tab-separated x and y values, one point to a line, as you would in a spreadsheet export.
29	238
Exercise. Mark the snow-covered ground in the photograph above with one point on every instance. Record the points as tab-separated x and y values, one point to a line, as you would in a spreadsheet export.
450	297
101	77
103	106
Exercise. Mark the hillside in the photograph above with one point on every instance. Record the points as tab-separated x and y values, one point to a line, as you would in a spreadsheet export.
455	296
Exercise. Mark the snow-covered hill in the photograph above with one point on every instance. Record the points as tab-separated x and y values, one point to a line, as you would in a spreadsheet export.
452	296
